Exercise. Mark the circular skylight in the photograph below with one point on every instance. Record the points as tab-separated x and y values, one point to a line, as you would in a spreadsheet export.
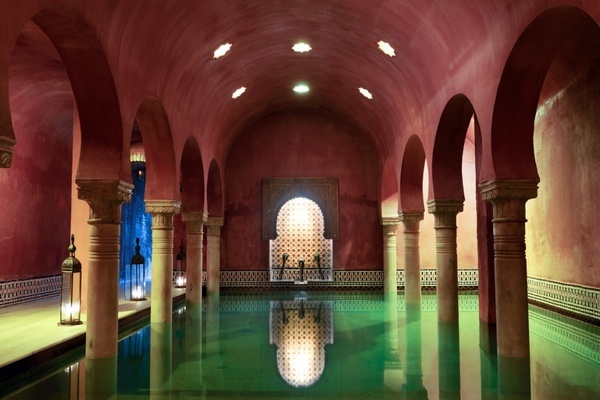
365	93
238	92
386	48
224	48
301	88
301	47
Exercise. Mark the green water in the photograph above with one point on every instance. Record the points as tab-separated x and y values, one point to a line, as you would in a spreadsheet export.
332	346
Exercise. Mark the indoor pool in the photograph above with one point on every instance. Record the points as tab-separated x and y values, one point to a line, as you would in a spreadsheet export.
321	345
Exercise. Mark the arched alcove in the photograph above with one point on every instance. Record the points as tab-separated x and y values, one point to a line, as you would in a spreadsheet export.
300	227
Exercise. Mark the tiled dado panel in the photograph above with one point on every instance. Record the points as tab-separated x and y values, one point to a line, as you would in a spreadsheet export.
467	278
580	301
15	292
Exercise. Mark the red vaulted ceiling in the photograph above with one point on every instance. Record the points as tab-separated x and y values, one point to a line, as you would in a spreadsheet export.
165	49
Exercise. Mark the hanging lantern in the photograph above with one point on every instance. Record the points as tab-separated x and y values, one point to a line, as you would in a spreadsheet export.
180	268
70	295
137	276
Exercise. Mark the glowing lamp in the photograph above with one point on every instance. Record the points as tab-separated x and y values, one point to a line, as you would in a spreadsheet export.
180	268
70	294
136	287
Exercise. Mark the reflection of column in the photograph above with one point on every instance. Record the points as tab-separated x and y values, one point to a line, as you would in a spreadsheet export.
448	360
393	372
389	224
508	198
193	346
194	229
160	358
100	378
488	362
445	212
413	384
412	260
162	258
105	199
212	350
213	254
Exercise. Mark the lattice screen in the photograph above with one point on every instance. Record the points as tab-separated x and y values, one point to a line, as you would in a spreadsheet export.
300	227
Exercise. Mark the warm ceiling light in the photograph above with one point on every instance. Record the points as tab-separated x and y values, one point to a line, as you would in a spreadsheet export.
301	88
365	93
301	47
224	48
386	48
238	92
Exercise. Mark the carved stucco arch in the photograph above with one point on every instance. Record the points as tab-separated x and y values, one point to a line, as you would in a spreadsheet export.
278	191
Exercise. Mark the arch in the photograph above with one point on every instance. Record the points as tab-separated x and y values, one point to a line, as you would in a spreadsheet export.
411	176
389	190
446	162
192	177
520	86
161	174
214	190
94	90
277	192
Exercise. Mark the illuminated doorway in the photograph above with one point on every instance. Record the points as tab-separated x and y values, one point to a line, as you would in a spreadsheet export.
300	251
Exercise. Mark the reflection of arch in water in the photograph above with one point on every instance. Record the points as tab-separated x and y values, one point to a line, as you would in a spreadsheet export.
300	329
300	235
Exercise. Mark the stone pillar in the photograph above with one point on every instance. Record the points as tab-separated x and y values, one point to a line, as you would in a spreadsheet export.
104	198
162	212
446	258
412	260
508	198
213	254
194	226
390	267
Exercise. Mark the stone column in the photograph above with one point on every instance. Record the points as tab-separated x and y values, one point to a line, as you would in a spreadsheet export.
213	254
412	260
194	226
162	212
446	258
104	198
508	198
390	267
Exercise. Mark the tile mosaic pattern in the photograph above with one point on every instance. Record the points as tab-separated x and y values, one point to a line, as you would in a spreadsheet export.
22	291
300	229
579	301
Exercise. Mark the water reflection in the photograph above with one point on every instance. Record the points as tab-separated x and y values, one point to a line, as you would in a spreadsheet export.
413	387
331	347
300	329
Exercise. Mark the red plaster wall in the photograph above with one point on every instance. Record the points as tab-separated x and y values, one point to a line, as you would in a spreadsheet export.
35	200
302	143
563	222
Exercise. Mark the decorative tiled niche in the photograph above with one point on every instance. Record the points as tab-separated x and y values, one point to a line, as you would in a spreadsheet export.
300	228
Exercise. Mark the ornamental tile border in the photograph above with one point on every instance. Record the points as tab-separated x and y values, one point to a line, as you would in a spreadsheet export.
22	291
578	301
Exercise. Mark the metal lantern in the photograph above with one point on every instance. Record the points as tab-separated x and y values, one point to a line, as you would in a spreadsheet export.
136	287
70	294
180	268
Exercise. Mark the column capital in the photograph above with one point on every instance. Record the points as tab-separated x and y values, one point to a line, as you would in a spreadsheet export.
501	189
162	212
194	221
411	220
171	207
7	143
437	206
104	197
389	225
213	226
445	212
508	197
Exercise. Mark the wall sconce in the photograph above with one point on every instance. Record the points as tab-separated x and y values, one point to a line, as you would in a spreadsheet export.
180	268
70	294
137	276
